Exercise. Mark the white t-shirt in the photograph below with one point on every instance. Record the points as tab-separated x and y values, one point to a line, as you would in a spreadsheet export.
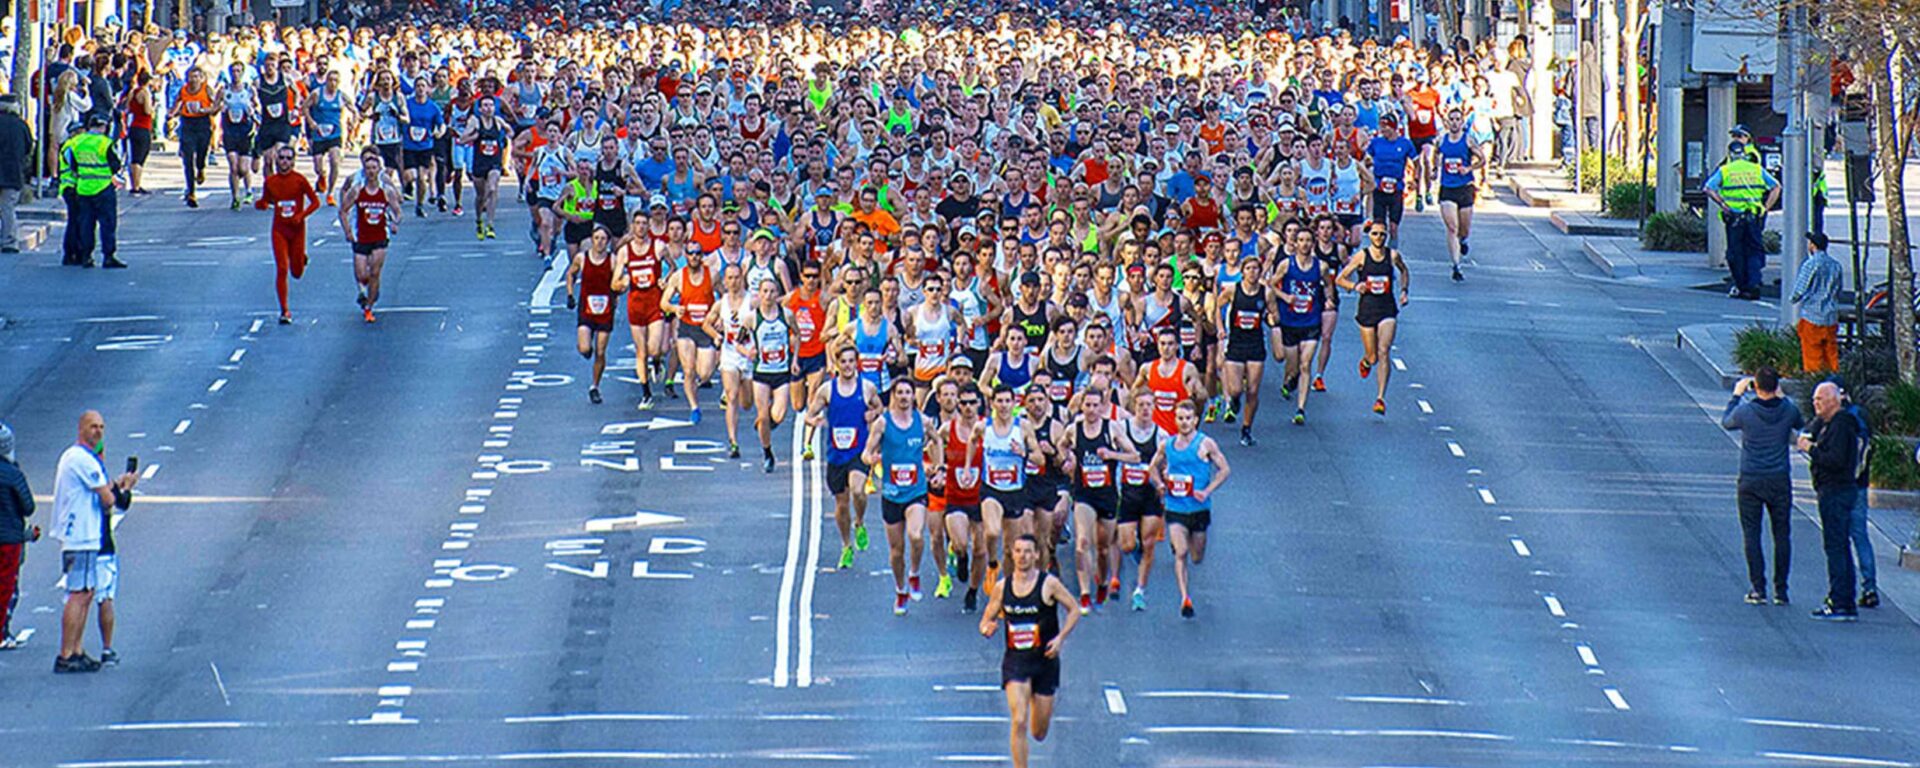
77	516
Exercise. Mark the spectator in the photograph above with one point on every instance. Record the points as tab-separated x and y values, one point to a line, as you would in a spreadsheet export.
1767	424
1862	541
16	505
83	500
1817	289
16	159
1834	448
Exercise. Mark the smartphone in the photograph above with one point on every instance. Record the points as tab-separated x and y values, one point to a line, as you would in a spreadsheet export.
133	464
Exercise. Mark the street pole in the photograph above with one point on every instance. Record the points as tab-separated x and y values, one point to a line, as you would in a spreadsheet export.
1540	80
1797	197
1719	122
1669	143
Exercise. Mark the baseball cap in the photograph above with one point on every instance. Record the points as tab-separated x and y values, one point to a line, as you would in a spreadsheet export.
6	442
1740	130
1030	278
658	201
1819	240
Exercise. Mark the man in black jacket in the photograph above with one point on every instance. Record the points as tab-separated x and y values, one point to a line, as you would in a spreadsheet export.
16	505
16	157
1835	448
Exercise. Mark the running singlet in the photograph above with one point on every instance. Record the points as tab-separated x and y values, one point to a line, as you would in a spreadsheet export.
872	347
370	216
1390	162
696	296
1186	473
808	319
1168	390
1016	378
1304	285
1006	470
772	343
1456	162
1031	623
963	468
596	290
846	424
932	342
902	459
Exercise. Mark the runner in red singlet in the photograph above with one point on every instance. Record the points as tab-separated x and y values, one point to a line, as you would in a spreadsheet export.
1170	379
600	276
644	317
367	219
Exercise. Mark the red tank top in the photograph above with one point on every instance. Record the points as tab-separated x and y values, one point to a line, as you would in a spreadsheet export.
596	289
141	114
643	266
1168	391
370	211
808	321
708	239
963	470
696	297
1205	214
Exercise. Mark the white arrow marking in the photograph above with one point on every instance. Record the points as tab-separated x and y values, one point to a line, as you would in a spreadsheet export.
640	519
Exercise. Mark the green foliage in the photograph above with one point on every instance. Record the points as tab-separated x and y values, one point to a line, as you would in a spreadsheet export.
1624	200
1900	410
1587	181
1890	464
1869	363
1681	231
1759	346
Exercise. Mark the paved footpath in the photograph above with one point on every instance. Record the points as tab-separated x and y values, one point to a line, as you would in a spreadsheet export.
417	542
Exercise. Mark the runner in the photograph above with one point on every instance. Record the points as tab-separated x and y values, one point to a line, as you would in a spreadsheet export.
368	222
326	115
689	296
810	341
770	331
727	324
1013	364
1390	152
1190	467
1170	379
485	140
1047	486
900	448
846	406
1460	158
1332	254
1371	274
1090	451
579	199
1005	444
935	324
1300	289
1248	307
1142	519
601	277
965	551
238	118
645	319
293	200
1030	599
425	122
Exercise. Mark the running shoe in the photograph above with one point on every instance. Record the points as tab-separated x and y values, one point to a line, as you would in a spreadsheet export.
860	535
593	393
972	602
900	604
695	417
1299	416
1457	277
913	588
1228	415
367	314
1366	367
770	465
846	558
479	232
330	201
78	662
646	403
234	206
963	571
109	658
193	202
1463	247
1100	594
1756	597
806	454
490	233
441	203
1086	604
944	587
1113	588
1780	598
1246	435
419	212
733	450
1380	407
1319	384
1286	392
1186	608
1213	410
1828	613
1139	599
286	318
1870	599
248	200
993	573
458	210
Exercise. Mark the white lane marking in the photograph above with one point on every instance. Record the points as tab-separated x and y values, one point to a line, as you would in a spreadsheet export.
181	428
119	319
970	759
1619	701
410	645
1262	730
1520	547
1399	365
255	328
438	583
182	725
1486	497
149	472
217	385
1806	757
1554	607
163	763
543	291
237	354
403	666
1642	311
1805	724
384	718
420	623
220	684
1425	407
396	690
783	623
595	717
967	688
1587	657
1455	449
1116	702
1403	700
1234	695
804	665
473	509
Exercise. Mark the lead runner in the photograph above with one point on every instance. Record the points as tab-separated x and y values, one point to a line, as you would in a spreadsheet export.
1029	599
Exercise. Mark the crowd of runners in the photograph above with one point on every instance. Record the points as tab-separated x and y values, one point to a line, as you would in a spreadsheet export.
1002	271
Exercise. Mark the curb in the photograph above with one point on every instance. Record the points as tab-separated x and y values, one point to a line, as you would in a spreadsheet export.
1703	345
1610	258
1575	223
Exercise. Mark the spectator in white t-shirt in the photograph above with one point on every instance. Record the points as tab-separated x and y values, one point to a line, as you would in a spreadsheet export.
83	498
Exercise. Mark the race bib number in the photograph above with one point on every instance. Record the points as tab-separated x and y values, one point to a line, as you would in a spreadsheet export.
285	208
236	115
530	110
385	133
276	110
1301	302
328	131
1059	391
932	352
903	475
1456	166
871	363
1377	285
1023	636
1189	337
418	133
774	357
844	437
1389	184
1423	115
375	215
1097	475
489	148
1001	477
1246	320
597	305
966	477
804	322
1180	485
1346	206
1164	401
1133	474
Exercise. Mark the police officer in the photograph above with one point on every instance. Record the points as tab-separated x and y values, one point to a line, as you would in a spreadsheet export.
1740	135
1744	191
88	162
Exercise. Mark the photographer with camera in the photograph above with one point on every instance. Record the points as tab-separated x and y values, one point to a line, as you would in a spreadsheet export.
83	504
16	505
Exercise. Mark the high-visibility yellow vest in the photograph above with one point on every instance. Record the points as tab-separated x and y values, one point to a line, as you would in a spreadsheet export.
1743	184
83	164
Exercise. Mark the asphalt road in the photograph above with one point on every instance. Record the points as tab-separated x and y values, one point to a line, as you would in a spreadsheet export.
375	544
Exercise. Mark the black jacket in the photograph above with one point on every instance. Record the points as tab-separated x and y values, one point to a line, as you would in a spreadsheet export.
16	503
16	151
1838	447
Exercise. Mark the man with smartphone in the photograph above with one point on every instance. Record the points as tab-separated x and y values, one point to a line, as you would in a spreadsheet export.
83	503
16	505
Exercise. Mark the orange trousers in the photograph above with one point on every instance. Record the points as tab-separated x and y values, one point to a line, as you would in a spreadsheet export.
1819	347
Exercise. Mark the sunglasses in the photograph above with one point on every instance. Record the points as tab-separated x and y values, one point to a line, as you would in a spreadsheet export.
1377	233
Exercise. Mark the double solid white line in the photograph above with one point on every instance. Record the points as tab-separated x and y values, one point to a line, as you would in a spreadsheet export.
791	668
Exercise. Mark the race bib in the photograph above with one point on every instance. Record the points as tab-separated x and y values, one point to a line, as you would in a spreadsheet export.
1423	115
903	475
870	363
1301	302
1189	336
843	438
597	305
328	131
1377	285
1001	477
1456	166
285	208
418	133
1180	485
1096	475
236	115
804	322
1059	391
641	277
385	133
489	147
774	357
1389	184
1246	320
966	477
530	110
1346	206
276	110
1023	636
1133	474
932	352
375	215
1164	401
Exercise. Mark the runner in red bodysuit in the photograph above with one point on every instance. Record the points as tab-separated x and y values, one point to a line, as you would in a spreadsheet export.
292	199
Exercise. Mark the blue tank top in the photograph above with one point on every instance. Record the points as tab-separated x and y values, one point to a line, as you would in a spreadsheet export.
846	423
1186	473
903	460
326	116
1456	162
873	352
1305	286
1016	378
682	192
